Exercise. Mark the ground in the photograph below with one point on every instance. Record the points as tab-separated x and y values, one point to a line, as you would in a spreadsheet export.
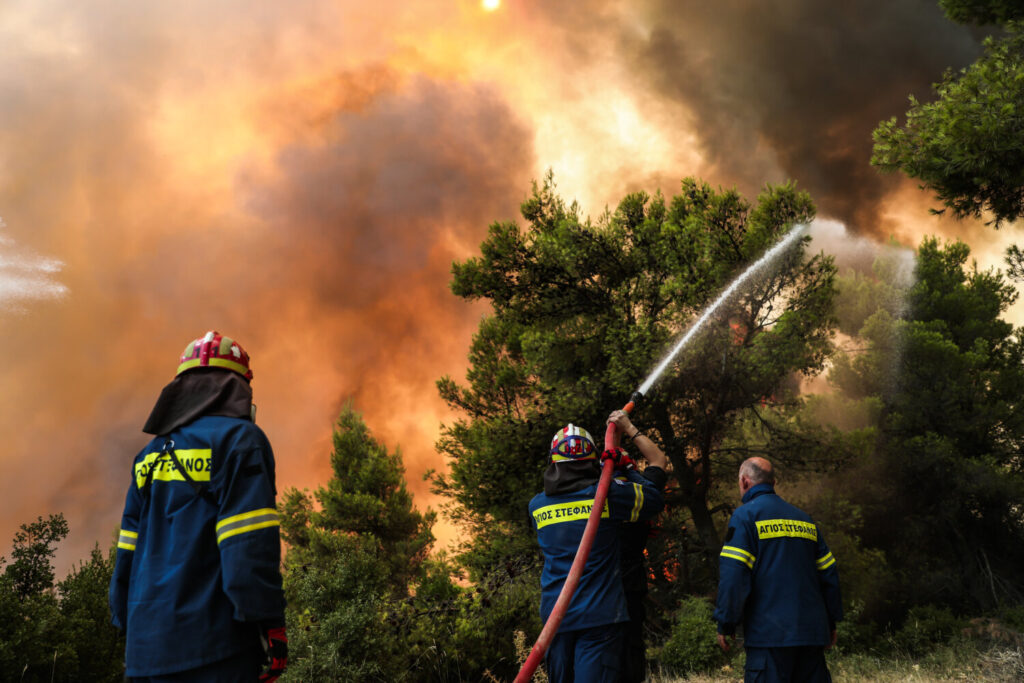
948	664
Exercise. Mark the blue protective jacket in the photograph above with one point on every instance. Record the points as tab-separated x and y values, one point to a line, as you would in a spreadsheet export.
777	576
196	569
560	521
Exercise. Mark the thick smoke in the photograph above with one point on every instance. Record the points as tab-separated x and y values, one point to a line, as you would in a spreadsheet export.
806	81
301	178
778	91
306	201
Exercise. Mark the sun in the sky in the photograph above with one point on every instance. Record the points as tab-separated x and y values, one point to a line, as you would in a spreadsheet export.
490	5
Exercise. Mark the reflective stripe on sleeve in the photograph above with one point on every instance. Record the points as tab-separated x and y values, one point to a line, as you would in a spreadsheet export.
638	492
826	561
126	540
734	553
246	522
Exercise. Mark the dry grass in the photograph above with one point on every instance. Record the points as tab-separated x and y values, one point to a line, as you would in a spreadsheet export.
944	665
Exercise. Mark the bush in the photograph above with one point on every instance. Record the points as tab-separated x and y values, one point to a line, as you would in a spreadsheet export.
925	627
1014	617
692	644
857	634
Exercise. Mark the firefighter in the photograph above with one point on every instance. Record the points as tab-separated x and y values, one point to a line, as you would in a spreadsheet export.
197	582
633	539
779	580
588	645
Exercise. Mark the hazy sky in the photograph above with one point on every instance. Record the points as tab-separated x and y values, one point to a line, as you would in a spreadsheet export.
300	176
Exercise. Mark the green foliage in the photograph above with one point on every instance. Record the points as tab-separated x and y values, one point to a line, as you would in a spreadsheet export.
98	647
856	633
968	145
925	627
365	504
1013	616
62	632
865	574
982	11
940	494
335	617
581	311
34	545
488	616
356	560
692	646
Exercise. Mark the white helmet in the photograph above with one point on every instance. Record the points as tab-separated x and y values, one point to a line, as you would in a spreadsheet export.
572	443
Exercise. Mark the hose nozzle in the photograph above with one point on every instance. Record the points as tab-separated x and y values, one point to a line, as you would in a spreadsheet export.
634	401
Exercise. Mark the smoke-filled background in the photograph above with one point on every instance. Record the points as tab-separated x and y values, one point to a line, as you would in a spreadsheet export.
300	176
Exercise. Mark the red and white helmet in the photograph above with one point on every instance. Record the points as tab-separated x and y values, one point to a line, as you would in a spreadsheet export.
214	350
572	443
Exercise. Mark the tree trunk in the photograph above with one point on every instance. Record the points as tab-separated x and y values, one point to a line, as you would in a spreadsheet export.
693	493
705	525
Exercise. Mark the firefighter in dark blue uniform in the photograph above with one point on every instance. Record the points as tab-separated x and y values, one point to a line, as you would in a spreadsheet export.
588	645
197	582
779	580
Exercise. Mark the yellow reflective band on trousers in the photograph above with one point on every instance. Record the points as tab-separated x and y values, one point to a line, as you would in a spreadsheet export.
638	493
566	512
826	561
786	528
246	522
196	462
126	540
734	553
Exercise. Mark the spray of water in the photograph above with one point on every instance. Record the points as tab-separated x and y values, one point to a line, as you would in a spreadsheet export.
755	268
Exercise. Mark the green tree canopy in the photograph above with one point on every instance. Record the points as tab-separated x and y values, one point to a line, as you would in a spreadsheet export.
56	632
31	569
357	549
583	310
968	145
365	504
941	494
982	11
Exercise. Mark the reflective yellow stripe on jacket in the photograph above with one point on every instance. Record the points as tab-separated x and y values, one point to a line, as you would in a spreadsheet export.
126	540
734	553
638	493
826	561
246	522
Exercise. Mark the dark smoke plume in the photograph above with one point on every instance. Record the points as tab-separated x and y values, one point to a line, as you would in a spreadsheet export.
780	90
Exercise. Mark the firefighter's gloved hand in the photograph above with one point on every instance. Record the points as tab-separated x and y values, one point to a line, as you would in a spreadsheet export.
619	457
275	645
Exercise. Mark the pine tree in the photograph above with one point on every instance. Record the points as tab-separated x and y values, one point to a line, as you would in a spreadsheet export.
357	550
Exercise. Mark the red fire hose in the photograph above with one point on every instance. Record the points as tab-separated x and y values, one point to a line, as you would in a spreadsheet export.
611	440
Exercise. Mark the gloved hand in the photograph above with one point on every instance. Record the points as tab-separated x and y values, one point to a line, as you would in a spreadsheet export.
620	457
275	645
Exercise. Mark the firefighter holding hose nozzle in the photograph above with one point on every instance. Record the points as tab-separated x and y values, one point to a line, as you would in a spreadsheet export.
589	643
197	581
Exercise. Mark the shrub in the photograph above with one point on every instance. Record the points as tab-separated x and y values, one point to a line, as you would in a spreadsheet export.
925	627
857	634
1014	617
692	645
